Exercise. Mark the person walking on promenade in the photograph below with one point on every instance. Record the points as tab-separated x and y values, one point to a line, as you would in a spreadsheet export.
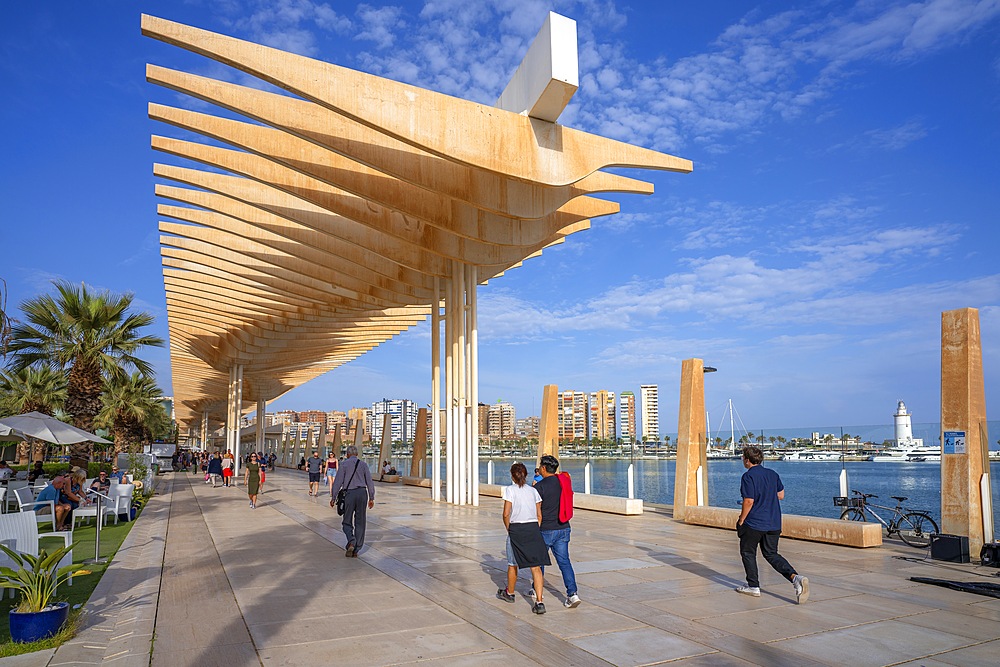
759	525
355	477
251	479
330	467
262	462
522	515
314	466
215	469
557	510
228	463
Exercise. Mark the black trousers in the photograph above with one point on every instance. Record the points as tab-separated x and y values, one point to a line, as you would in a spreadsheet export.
750	539
356	515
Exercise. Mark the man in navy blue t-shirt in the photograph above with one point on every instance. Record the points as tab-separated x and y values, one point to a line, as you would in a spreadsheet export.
760	525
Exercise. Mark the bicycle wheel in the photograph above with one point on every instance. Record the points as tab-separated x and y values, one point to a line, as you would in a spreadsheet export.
852	514
916	528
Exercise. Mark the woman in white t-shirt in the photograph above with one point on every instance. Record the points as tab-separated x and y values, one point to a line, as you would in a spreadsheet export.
522	515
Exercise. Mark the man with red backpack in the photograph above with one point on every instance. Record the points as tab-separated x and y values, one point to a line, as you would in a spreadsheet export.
556	490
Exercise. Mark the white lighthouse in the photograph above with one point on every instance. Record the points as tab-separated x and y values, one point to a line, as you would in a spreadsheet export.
904	428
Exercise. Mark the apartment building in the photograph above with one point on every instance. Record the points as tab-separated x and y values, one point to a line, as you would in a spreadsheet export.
571	411
501	418
627	414
603	421
527	427
649	394
403	419
336	418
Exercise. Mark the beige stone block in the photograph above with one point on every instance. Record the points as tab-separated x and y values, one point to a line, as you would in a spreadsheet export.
816	529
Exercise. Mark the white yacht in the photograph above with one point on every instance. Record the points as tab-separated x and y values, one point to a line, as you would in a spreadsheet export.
908	455
908	449
811	455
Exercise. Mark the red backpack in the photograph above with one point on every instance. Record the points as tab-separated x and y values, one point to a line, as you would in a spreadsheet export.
565	498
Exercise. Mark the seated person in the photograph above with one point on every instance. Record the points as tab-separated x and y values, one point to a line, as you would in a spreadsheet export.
72	491
6	472
102	483
36	472
116	474
53	492
302	463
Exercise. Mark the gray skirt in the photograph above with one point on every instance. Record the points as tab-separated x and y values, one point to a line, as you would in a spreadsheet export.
528	545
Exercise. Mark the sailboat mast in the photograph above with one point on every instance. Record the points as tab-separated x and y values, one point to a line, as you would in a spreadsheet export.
732	430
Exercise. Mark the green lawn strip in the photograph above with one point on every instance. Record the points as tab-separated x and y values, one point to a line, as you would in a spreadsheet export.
84	583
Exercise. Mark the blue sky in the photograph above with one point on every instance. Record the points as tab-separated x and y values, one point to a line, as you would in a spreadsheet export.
844	193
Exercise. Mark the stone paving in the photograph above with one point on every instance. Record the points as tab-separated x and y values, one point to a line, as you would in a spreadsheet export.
271	587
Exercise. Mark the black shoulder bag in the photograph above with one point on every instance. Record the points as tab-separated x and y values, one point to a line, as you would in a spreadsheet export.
341	501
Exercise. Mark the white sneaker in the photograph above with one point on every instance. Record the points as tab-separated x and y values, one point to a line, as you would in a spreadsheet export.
801	586
752	591
572	602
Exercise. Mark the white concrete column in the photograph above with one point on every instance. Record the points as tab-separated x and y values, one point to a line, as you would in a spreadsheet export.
261	407
436	393
236	420
462	383
204	429
449	393
474	374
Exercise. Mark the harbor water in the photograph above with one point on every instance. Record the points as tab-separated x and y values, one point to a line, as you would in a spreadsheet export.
809	485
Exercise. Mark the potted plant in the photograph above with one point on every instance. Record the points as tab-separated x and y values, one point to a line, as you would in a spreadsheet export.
36	616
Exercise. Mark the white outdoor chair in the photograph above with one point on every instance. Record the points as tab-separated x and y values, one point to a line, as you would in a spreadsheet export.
19	532
21	474
3	498
26	503
13	486
121	496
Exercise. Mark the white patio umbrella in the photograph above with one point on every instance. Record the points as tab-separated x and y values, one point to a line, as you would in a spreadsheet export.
8	434
49	429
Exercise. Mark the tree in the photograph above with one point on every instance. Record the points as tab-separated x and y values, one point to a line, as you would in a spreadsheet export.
5	321
90	335
31	390
131	409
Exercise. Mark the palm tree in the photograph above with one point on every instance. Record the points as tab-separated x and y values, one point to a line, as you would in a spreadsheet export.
31	390
132	411
5	320
89	334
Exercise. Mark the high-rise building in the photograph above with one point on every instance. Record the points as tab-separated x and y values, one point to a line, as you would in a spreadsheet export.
403	414
484	421
313	416
603	421
527	427
286	417
627	416
572	415
336	418
501	419
649	394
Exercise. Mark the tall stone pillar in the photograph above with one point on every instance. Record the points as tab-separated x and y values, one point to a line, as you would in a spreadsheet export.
691	439
385	451
548	426
965	442
338	442
419	445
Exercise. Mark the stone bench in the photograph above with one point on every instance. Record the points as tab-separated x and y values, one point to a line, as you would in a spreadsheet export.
813	528
584	501
389	479
417	481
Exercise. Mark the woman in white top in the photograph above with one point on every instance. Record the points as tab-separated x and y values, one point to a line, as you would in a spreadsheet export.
522	515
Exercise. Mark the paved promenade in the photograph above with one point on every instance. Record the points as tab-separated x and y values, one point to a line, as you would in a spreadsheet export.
271	587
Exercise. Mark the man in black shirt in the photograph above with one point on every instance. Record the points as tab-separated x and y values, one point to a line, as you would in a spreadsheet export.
556	533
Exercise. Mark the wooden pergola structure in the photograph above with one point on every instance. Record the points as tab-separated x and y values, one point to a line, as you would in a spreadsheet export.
328	220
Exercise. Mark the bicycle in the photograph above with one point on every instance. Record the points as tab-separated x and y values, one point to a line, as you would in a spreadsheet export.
914	527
